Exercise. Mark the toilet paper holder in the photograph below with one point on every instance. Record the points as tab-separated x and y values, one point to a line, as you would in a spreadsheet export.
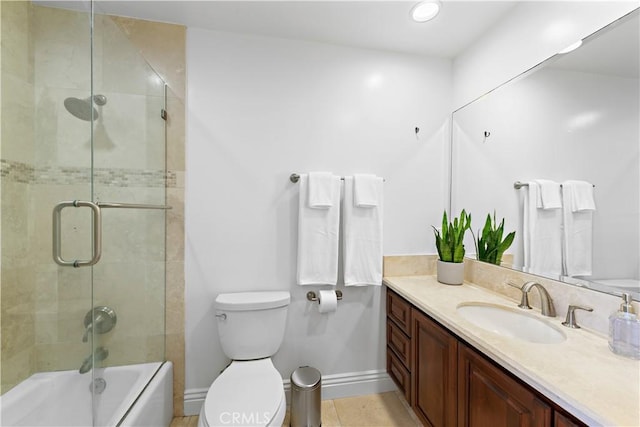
312	296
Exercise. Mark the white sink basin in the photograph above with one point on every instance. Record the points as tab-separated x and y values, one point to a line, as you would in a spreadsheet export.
510	322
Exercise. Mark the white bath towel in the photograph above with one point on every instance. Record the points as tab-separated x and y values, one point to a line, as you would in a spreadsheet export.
577	248
366	190
582	197
321	188
362	238
549	196
318	231
542	235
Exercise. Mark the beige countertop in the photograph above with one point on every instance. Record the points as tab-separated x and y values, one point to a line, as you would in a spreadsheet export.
580	374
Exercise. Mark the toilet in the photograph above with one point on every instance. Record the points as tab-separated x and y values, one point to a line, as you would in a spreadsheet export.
249	392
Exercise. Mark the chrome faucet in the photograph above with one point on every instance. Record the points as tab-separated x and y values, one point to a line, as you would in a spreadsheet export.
546	304
570	321
99	355
100	320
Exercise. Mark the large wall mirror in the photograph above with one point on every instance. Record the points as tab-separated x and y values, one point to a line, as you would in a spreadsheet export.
575	117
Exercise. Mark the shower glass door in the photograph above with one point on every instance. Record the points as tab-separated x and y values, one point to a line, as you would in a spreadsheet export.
129	168
82	119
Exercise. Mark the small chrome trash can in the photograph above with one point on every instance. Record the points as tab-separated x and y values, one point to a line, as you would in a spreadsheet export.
306	397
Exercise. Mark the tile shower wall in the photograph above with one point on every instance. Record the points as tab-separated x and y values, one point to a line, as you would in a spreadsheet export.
17	278
128	154
43	57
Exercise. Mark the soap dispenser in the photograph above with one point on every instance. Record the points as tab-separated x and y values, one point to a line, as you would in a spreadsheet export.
624	330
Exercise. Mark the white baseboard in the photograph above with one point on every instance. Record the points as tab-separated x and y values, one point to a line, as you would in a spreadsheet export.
193	400
334	386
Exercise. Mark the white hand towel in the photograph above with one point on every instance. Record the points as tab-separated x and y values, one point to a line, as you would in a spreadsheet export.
318	238
582	198
321	190
549	196
542	236
578	233
362	239
365	190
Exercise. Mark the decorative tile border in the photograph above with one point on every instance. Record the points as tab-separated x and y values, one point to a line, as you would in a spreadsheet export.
66	175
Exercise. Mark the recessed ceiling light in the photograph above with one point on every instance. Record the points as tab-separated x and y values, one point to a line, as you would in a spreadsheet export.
571	47
425	11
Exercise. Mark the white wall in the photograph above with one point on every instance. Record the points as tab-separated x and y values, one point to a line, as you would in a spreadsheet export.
529	34
261	108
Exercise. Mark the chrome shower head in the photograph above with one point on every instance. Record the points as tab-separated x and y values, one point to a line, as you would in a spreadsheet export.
83	108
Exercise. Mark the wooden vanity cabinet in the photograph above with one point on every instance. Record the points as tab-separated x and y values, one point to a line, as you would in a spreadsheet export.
434	369
562	419
487	396
449	384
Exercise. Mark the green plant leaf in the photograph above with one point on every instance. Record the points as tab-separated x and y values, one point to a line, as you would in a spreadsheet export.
449	241
490	245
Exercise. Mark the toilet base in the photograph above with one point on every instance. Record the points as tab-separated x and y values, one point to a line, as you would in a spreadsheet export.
246	393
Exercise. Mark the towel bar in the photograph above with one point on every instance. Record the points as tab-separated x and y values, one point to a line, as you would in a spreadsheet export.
518	185
294	177
312	296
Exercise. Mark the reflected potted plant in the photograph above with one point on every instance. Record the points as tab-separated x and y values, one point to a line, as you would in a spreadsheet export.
449	242
489	245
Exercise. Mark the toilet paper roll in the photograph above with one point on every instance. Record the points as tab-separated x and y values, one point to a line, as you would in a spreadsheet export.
328	301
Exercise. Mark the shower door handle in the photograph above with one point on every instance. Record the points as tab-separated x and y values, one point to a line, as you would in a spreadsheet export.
57	231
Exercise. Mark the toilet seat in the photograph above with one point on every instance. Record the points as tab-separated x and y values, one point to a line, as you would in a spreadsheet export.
247	393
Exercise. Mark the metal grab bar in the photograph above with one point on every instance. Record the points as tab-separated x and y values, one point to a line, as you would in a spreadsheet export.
96	209
96	223
131	206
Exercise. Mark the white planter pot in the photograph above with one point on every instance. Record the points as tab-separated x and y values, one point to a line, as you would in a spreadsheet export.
450	273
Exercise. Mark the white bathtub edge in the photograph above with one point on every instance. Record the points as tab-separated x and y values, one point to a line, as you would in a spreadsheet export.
154	408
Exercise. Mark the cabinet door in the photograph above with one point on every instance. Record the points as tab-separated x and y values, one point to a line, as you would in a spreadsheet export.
564	420
433	372
487	396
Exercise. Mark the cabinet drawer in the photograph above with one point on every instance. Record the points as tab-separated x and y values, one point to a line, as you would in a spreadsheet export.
399	374
399	342
399	310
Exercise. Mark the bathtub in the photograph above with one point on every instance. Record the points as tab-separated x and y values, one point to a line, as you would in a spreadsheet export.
64	398
624	284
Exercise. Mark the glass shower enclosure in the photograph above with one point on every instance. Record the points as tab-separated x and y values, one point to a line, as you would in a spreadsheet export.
82	209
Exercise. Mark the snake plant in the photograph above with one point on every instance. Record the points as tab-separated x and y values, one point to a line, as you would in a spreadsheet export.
490	246
449	241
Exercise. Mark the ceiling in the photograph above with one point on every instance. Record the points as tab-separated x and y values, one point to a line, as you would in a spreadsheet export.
384	25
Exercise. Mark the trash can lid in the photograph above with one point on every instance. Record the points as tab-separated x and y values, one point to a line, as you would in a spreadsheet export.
305	377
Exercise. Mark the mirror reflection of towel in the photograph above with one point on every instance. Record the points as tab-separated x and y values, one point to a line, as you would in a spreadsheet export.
582	197
549	196
577	211
542	233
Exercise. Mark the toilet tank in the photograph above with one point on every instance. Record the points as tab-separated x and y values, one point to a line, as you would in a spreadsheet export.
251	324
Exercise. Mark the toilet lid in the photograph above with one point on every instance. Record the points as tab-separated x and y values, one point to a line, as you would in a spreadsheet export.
247	393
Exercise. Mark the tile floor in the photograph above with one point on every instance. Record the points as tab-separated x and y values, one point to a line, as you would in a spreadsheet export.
375	410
